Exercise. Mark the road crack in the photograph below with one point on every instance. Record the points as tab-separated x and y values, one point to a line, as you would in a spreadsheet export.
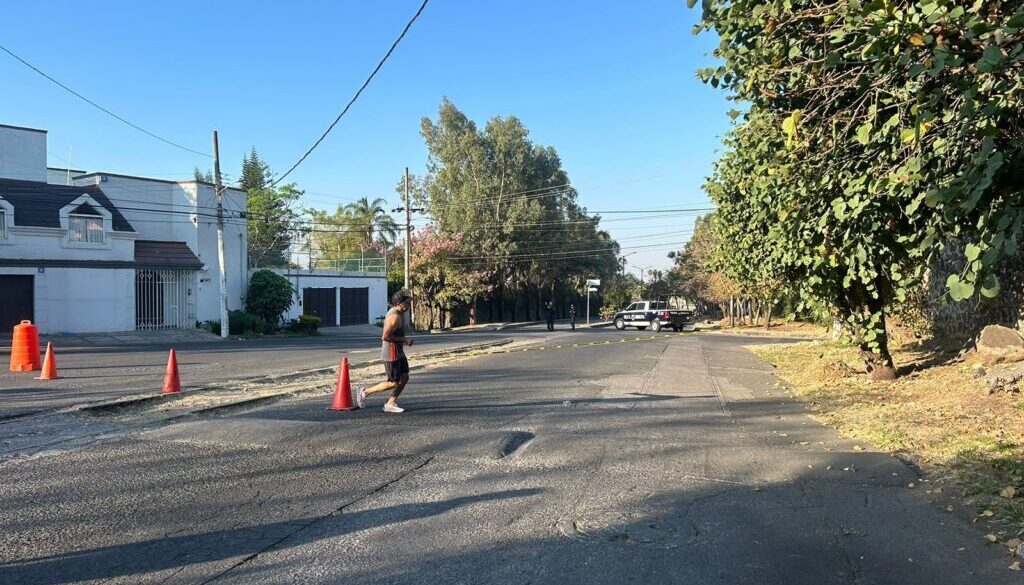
337	511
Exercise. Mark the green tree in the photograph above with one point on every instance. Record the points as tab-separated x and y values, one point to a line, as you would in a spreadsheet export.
372	222
901	127
511	200
336	236
202	177
269	295
256	172
271	225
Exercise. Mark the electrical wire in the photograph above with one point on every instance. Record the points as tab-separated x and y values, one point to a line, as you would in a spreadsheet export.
99	107
359	92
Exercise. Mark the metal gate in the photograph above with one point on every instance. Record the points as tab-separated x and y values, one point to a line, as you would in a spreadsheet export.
164	299
320	302
355	306
17	299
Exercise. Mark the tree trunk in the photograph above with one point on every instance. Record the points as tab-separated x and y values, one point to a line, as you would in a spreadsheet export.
732	312
472	311
877	360
501	302
769	306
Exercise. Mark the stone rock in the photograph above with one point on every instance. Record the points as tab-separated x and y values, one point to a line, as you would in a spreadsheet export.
1006	378
1000	344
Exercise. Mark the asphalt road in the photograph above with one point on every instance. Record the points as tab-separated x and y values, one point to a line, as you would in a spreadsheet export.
656	461
92	374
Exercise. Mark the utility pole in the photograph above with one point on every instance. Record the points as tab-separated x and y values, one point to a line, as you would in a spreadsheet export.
408	209
408	229
218	191
642	269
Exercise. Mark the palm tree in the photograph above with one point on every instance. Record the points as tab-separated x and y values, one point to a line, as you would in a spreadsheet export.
369	218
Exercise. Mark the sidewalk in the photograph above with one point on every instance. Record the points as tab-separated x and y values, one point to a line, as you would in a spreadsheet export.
117	338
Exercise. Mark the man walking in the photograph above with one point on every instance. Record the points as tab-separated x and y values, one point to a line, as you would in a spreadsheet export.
551	316
572	317
396	366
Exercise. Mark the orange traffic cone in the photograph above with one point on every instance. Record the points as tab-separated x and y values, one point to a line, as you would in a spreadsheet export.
49	365
342	389
172	383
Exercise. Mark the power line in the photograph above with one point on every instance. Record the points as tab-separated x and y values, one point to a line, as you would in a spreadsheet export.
366	83
97	106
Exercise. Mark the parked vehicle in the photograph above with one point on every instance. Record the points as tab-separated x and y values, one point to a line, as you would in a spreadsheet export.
653	314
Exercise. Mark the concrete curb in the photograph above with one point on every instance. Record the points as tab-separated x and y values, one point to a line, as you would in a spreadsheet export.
518	325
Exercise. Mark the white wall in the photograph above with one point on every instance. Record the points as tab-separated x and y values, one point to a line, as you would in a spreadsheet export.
185	211
35	243
22	154
300	279
82	300
235	245
60	176
158	210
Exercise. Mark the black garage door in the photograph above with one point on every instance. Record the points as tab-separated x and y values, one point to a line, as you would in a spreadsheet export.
16	301
355	306
320	302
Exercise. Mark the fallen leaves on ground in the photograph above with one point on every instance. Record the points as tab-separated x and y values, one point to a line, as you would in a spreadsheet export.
938	416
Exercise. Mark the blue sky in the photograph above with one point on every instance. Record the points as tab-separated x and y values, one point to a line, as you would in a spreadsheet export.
609	84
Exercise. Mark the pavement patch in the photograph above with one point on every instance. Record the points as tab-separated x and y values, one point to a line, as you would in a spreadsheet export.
510	442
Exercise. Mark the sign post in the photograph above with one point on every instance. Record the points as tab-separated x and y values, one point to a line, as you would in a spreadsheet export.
592	284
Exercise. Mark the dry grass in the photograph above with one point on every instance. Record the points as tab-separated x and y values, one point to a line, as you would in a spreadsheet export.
939	417
780	328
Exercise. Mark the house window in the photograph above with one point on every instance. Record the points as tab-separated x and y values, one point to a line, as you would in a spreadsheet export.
85	228
3	224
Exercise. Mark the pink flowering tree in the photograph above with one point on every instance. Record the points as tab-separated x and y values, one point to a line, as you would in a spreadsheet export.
442	279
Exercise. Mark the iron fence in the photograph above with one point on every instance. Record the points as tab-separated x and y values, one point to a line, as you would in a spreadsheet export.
165	299
372	265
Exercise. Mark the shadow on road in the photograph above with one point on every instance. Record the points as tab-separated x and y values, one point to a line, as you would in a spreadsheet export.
149	556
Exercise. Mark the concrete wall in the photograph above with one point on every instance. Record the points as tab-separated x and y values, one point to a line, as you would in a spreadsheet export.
37	243
82	300
300	279
22	154
185	211
235	248
55	176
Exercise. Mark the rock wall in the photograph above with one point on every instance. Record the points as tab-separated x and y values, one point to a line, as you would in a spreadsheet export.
966	318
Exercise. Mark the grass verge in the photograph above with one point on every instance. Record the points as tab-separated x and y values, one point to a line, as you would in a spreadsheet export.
939	416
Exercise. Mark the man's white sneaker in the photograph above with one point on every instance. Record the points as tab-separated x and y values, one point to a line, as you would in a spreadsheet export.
393	408
361	398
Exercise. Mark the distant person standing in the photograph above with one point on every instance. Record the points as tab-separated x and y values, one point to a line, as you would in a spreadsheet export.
551	316
572	317
396	365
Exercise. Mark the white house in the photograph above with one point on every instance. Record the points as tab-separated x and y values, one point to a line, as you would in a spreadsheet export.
110	252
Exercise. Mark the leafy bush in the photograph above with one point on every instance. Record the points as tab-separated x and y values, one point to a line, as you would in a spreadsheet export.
270	295
239	323
307	324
